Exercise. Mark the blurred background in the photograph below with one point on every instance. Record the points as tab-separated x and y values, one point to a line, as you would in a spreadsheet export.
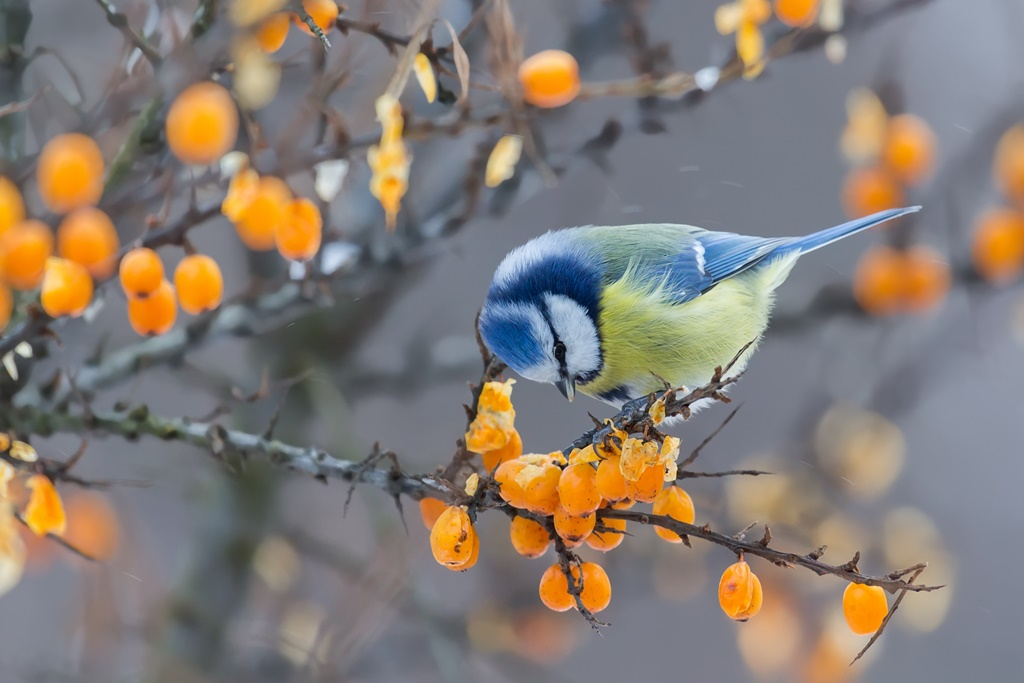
893	434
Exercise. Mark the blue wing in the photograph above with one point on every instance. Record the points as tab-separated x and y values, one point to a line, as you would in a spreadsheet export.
711	257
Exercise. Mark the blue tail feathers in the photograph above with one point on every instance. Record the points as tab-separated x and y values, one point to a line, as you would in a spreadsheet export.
827	236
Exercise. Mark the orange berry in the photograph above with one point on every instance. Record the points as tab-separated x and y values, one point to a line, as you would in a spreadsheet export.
323	13
739	592
910	148
6	305
199	284
797	13
67	288
473	556
430	510
12	208
69	172
573	529
1008	165
141	272
864	607
577	489
554	589
610	482
92	524
597	589
878	282
529	538
510	451
998	248
927	278
609	539
156	313
677	504
44	513
452	537
646	488
550	78
541	494
298	235
241	191
511	491
87	236
202	123
23	253
272	32
868	190
258	222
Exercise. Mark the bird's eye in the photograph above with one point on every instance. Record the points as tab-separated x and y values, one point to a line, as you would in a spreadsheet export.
559	351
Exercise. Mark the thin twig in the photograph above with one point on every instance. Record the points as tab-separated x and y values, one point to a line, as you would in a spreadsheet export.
119	21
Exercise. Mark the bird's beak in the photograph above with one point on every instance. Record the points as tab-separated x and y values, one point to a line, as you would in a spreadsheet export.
567	385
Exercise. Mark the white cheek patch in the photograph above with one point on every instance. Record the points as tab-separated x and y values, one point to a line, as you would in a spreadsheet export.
540	333
576	330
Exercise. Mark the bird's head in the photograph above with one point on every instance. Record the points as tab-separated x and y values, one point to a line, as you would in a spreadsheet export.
541	314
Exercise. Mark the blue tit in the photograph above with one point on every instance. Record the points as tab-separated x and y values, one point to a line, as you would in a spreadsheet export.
611	310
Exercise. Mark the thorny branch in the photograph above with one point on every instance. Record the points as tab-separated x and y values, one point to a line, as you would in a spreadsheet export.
633	418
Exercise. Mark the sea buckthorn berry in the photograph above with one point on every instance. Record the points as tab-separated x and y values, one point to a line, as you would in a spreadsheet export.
610	537
141	272
541	493
510	451
871	189
646	488
473	556
878	282
910	148
69	172
623	504
554	589
1008	165
927	278
509	487
577	489
529	538
156	313
92	524
67	288
998	247
677	504
241	192
430	510
272	32
259	221
864	607
452	537
199	284
550	78
597	589
797	13
12	208
298	235
45	511
87	236
6	305
202	123
323	12
609	480
739	592
573	529
23	253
